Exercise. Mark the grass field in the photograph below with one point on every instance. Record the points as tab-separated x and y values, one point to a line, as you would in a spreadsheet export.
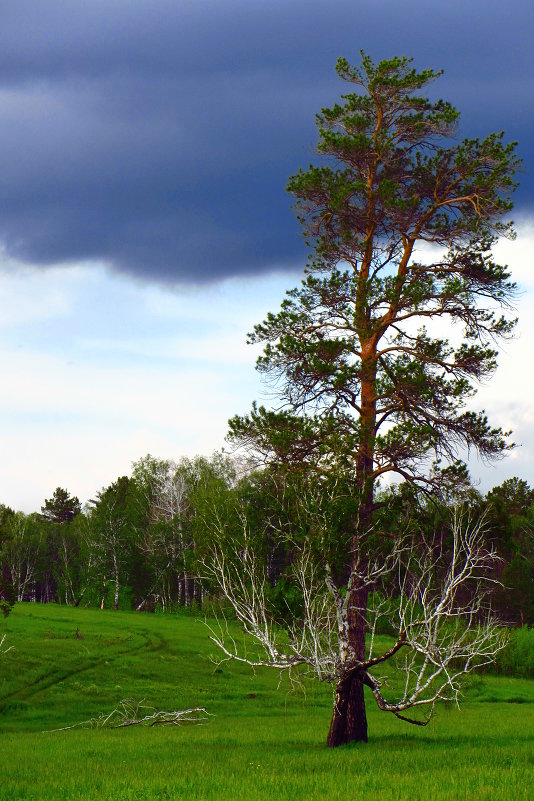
263	742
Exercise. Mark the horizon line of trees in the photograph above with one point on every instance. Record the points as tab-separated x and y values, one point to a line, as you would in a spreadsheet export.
142	542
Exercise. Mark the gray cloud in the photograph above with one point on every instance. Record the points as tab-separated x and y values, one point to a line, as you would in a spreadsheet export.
158	135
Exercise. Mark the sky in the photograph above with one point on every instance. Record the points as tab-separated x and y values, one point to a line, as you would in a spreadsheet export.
145	146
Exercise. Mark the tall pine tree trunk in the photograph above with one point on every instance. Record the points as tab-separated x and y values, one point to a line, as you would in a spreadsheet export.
349	721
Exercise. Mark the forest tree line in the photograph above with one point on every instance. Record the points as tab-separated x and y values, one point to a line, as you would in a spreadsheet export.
143	541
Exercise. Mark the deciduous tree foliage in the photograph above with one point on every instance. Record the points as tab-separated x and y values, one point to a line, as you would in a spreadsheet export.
114	521
400	218
510	509
172	494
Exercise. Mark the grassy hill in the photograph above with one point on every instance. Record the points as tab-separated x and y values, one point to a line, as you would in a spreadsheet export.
263	741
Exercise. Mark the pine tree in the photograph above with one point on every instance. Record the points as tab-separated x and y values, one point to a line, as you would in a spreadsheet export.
366	387
61	507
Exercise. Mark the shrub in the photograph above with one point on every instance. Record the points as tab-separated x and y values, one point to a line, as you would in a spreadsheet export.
517	659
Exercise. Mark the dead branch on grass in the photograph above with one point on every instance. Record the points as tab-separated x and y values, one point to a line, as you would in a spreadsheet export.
136	713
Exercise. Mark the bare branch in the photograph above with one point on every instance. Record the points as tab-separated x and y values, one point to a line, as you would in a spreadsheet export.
437	606
137	713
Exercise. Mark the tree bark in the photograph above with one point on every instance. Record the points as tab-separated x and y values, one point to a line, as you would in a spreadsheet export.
116	598
116	570
349	721
104	591
187	594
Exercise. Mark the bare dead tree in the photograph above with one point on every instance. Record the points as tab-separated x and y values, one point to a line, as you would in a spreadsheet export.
437	606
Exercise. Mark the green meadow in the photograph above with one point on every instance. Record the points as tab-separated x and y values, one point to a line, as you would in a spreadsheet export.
262	740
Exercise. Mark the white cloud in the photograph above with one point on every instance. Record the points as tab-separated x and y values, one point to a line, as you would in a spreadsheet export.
517	254
98	370
28	295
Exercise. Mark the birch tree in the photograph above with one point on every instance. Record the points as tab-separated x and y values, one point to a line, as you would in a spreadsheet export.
172	493
164	542
22	552
114	529
76	550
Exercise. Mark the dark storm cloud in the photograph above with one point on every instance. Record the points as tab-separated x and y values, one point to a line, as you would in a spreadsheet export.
158	135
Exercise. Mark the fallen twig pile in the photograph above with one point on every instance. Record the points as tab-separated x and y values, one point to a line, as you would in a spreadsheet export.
137	713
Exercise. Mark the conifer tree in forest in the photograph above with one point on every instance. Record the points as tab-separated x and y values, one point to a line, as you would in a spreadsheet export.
61	507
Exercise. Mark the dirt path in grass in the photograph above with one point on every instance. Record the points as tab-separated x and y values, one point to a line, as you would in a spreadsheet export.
153	643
